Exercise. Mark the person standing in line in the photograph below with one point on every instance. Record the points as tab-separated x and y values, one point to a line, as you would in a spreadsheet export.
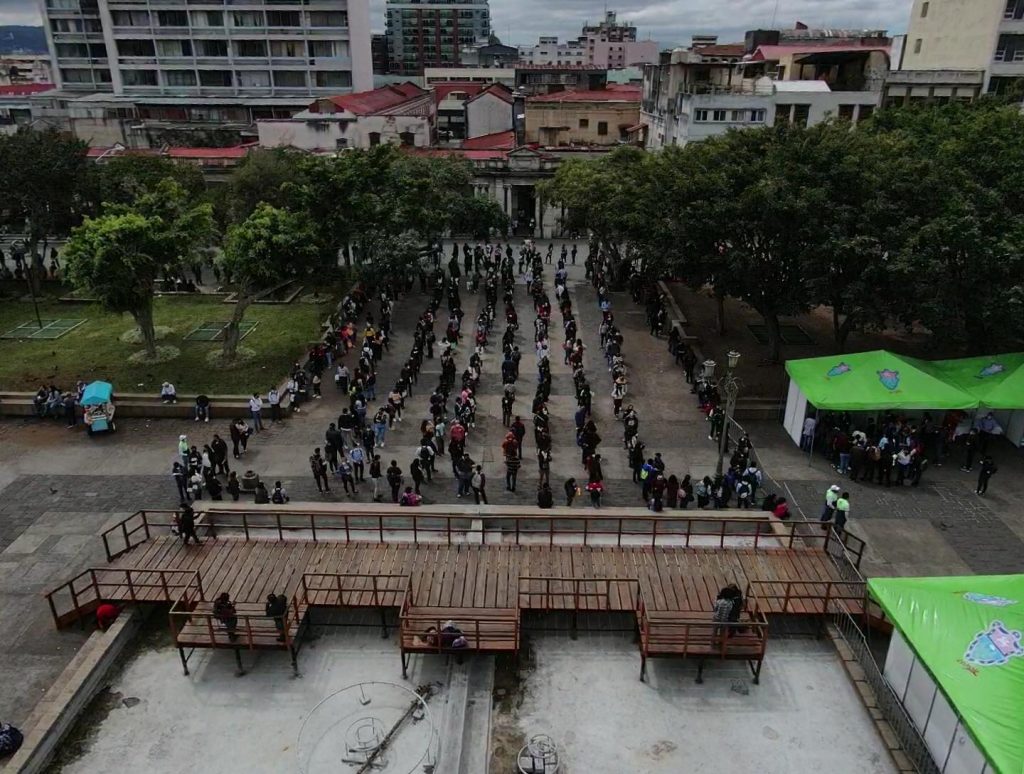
519	431
256	408
183	450
842	512
347	480
570	491
416	471
357	457
970	443
479	483
319	467
988	467
181	481
512	464
375	477
394	477
233	487
220	455
807	435
544	467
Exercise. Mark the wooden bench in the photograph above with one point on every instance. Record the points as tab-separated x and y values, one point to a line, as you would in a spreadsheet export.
131	404
195	626
694	634
486	630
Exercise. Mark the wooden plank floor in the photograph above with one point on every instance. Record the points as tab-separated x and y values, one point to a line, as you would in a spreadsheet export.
483	576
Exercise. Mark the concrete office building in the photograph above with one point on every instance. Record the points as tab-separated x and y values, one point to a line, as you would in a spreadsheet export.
959	49
432	33
607	44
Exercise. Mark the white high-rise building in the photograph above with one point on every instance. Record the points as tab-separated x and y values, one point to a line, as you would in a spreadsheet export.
196	53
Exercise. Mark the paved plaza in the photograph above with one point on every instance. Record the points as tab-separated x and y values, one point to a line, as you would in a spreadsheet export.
61	488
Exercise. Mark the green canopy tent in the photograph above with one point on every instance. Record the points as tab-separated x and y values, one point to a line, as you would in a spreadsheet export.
996	381
966	632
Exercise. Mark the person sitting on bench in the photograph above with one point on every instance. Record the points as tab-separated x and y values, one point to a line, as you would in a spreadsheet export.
224	611
10	740
167	393
451	636
202	408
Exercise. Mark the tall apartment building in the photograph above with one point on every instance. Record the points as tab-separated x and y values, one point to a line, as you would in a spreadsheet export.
957	49
432	33
243	51
608	44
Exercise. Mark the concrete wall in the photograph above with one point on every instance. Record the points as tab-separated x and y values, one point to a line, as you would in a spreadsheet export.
359	44
540	117
324	133
486	115
954	35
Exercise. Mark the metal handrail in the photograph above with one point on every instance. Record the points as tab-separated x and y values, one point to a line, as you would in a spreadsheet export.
576	594
354	583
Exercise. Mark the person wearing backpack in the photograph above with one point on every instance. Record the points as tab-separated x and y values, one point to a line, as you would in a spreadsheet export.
278	496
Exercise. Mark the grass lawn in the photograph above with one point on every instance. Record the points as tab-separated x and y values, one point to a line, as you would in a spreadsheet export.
94	350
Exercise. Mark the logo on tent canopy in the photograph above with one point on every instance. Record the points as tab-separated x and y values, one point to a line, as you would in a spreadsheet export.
994	646
988	599
990	370
838	370
890	379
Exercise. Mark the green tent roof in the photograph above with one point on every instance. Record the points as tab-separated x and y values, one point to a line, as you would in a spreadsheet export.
967	632
997	381
879	379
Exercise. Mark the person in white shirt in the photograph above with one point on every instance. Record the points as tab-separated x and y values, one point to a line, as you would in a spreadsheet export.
274	399
807	436
167	393
255	407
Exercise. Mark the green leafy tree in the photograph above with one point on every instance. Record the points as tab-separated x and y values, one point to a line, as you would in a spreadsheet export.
45	186
123	179
119	256
263	176
269	247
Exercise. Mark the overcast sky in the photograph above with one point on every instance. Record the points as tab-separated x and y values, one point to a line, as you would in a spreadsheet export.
670	22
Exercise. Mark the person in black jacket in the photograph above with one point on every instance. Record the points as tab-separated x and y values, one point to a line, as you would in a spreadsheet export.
187	523
545	499
219	455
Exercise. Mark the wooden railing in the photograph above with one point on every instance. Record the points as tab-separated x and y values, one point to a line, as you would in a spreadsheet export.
810	597
89	588
527	529
354	589
578	594
251	629
136	530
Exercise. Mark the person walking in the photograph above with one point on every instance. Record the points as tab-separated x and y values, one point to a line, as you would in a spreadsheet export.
828	511
479	483
319	467
181	481
187	524
988	468
348	482
512	464
842	512
357	457
256	409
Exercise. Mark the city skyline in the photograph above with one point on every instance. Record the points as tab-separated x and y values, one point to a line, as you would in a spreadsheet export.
670	22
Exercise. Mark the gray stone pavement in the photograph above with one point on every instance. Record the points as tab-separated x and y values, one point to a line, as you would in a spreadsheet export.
59	488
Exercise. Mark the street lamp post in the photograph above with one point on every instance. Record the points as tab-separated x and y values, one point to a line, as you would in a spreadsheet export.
728	387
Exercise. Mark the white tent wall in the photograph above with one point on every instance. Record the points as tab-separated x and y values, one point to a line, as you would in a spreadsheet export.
796	412
1012	422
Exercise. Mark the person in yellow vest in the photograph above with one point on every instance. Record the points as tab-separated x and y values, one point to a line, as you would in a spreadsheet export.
842	512
830	506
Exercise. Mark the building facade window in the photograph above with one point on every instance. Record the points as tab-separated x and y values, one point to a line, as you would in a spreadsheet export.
326	79
219	78
211	48
253	79
180	77
584	123
284	19
138	77
174	48
328	19
135	48
289	79
251	48
172	18
286	48
917	46
207	18
374	138
924	10
602	128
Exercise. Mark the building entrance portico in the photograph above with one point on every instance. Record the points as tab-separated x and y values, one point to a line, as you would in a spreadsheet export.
523	210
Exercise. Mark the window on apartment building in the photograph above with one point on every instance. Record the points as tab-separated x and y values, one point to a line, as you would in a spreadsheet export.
846	112
924	10
172	18
584	123
328	79
138	77
135	48
289	79
72	51
211	48
328	19
215	78
247	19
284	19
374	138
174	48
917	46
865	112
245	48
180	77
757	116
738	116
65	25
253	79
800	114
207	18
130	18
75	75
1014	9
718	115
323	48
286	48
602	128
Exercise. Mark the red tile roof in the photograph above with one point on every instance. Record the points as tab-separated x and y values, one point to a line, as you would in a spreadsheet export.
495	141
721	49
499	90
470	88
365	103
24	89
624	93
774	53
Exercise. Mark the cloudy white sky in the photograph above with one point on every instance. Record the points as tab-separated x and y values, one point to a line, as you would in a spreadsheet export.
670	22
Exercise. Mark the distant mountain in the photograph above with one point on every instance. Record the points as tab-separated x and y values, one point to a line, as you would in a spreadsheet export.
22	39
